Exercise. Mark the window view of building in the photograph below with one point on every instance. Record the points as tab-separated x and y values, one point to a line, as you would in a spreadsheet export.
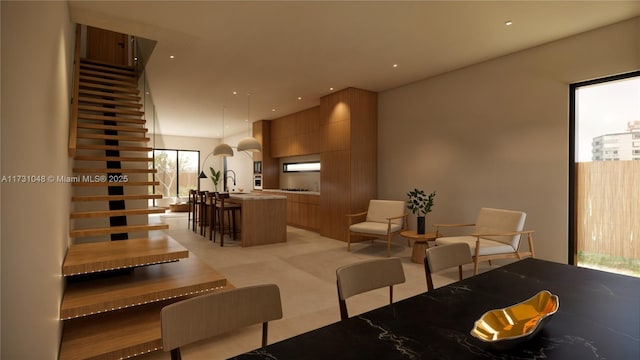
620	146
607	179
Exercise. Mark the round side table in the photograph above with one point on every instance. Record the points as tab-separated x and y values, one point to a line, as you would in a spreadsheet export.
420	244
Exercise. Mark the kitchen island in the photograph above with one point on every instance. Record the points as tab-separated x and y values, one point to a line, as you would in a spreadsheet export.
263	218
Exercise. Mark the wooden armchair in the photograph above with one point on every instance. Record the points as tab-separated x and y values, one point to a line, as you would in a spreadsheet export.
383	219
496	235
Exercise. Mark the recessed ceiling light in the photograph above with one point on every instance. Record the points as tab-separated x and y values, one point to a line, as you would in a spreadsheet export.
299	97
273	109
508	23
395	66
330	89
171	57
235	93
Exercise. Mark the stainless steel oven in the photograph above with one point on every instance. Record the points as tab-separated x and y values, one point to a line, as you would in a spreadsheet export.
257	182
257	167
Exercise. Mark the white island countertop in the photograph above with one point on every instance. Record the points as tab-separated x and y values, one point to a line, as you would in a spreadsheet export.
255	196
301	192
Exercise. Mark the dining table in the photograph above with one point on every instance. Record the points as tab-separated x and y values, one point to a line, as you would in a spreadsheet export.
598	317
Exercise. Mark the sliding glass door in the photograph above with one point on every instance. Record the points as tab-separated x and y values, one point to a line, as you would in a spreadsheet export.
177	172
605	174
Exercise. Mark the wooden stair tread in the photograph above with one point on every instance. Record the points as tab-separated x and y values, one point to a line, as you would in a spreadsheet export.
114	171
97	100
114	119
117	334
105	183
142	285
116	197
124	128
127	90
104	94
109	110
112	158
109	213
107	65
111	255
113	137
116	230
114	335
104	80
113	147
130	77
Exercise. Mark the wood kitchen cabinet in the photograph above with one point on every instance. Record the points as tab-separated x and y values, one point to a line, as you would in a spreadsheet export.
303	211
296	134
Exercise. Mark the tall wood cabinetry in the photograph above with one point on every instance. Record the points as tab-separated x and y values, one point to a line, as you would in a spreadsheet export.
270	165
343	130
349	154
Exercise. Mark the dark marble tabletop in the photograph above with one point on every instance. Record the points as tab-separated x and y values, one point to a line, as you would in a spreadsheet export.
598	318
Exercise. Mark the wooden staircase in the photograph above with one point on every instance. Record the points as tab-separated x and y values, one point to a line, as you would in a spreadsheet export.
118	278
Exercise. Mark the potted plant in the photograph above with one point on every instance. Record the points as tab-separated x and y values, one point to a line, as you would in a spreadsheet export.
420	204
215	177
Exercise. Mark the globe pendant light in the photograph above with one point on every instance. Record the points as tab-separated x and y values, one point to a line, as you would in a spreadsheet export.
249	143
222	149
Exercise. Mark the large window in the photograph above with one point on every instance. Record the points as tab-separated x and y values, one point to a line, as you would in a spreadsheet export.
605	174
177	171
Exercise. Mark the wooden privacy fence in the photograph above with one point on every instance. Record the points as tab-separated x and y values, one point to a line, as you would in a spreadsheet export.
608	208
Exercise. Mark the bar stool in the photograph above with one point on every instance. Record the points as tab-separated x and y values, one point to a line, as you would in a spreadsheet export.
230	210
193	209
210	213
202	211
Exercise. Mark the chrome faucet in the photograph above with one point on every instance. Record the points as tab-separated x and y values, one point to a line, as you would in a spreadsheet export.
226	189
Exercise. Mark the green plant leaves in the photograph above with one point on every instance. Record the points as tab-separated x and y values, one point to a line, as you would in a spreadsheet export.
419	203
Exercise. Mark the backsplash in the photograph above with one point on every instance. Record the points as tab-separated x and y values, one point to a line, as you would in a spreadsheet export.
303	180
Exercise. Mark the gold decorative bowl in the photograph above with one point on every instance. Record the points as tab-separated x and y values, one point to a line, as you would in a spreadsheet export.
506	327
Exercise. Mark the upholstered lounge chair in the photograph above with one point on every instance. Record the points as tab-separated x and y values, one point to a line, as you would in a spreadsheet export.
383	219
496	234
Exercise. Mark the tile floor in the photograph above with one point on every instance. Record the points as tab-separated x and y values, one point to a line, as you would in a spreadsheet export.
304	269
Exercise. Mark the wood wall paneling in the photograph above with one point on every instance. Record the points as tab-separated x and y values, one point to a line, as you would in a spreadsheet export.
348	128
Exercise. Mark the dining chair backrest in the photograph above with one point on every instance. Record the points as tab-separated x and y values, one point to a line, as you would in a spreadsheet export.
500	221
204	316
356	278
445	256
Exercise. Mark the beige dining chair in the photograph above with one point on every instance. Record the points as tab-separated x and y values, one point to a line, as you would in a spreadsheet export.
205	316
496	234
383	219
363	276
443	257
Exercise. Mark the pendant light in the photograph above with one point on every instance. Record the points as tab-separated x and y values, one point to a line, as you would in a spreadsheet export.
222	149
249	143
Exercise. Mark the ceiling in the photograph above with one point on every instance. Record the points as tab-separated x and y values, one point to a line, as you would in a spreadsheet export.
279	51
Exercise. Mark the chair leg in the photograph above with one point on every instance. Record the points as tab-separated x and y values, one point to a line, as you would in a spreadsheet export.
475	265
388	245
265	330
175	354
348	241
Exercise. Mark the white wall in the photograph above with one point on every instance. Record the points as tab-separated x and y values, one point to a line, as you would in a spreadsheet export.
37	48
496	134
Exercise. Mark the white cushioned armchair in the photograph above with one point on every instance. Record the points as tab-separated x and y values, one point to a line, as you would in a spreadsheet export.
496	235
383	219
